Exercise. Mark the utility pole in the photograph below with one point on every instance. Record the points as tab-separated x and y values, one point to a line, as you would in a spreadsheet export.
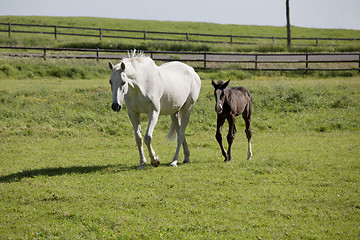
288	26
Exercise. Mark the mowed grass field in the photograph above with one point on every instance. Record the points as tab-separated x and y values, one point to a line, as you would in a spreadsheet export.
69	164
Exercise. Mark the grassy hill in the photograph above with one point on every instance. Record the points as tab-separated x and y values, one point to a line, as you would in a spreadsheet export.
182	27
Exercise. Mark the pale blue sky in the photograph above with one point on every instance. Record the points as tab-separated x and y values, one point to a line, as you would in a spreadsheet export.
304	13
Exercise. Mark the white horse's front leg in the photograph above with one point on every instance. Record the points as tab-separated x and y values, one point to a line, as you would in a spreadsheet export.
153	118
135	120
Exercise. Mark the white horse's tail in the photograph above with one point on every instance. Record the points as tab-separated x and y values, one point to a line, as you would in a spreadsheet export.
174	127
172	134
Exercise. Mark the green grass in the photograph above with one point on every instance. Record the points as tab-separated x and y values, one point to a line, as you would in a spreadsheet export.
182	27
69	165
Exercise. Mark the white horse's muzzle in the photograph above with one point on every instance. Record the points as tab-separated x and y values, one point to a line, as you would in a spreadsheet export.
116	107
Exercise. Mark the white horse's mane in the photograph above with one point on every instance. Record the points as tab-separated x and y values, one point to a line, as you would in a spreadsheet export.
136	53
136	57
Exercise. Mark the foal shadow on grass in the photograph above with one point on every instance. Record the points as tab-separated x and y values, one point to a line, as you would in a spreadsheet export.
113	168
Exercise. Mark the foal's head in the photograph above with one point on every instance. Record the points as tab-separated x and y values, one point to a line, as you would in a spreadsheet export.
219	94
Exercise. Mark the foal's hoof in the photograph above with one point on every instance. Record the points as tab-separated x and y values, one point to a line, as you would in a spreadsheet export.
141	167
227	159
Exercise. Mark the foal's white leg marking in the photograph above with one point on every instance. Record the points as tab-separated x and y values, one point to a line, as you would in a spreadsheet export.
135	120
249	151
153	118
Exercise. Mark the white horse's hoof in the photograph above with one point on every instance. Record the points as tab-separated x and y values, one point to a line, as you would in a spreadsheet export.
155	162
141	167
186	160
174	164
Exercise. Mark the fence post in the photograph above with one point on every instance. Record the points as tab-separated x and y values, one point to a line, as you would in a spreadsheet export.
204	60
44	53
55	32
231	39
97	54
9	29
100	33
273	38
256	61
307	62
144	35
187	37
317	42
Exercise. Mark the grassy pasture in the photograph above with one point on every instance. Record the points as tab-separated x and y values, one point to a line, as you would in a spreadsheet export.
69	164
265	45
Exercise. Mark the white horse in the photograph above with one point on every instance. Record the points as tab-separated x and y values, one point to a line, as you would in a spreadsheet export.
169	89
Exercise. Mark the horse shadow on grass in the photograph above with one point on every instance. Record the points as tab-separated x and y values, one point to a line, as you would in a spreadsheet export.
57	171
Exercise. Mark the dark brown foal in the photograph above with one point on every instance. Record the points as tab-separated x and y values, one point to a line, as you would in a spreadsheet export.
231	102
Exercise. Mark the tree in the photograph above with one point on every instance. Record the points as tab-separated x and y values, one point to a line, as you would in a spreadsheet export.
288	25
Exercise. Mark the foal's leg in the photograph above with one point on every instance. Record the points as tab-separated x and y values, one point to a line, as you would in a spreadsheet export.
247	118
153	117
135	120
220	123
231	135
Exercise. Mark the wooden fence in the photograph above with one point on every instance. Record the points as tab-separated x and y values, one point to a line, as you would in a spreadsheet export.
11	28
208	60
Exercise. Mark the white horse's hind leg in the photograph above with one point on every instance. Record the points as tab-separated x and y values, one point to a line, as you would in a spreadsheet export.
135	120
153	118
185	116
186	152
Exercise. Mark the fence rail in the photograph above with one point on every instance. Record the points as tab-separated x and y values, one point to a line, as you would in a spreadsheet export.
208	60
101	33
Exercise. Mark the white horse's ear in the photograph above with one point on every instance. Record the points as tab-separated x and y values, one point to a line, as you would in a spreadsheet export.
122	66
111	66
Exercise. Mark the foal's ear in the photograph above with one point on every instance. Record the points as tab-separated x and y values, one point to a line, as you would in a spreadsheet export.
214	84
111	66
225	85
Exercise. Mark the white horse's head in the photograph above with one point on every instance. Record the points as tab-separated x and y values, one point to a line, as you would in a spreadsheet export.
119	85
